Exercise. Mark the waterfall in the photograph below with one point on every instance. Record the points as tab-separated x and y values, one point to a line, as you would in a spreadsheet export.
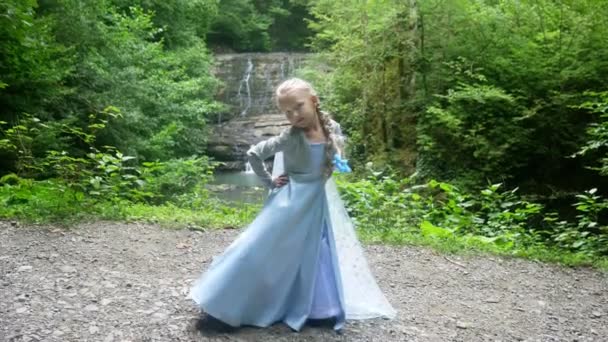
250	114
248	168
245	81
249	80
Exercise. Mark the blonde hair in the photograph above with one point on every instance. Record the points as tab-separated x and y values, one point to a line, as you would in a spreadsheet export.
324	119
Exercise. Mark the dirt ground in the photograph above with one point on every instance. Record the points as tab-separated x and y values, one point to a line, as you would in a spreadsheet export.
107	281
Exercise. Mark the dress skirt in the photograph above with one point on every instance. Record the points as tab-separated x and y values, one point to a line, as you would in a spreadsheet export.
283	267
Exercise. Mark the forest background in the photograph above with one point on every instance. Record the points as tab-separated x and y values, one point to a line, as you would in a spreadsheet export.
472	124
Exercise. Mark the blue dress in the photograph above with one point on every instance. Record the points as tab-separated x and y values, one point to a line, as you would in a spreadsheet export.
284	266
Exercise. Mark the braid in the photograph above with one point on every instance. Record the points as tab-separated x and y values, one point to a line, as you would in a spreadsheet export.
330	147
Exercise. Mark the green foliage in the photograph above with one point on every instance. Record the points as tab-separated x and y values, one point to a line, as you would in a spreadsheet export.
45	202
18	139
27	141
474	131
241	26
390	210
66	59
206	215
370	47
39	201
154	89
289	30
108	184
597	132
113	177
170	181
377	201
470	90
246	25
588	236
40	148
105	103
32	63
181	23
106	175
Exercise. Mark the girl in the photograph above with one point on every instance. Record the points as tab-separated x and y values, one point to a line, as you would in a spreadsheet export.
299	260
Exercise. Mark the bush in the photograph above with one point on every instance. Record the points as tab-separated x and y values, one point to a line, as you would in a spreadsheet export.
385	208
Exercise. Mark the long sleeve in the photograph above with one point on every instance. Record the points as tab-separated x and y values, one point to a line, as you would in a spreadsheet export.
262	151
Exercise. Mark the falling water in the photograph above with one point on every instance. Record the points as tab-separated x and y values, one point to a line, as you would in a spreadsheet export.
249	80
245	81
248	168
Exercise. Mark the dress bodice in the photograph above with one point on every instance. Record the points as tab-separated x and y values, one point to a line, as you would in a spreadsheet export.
317	154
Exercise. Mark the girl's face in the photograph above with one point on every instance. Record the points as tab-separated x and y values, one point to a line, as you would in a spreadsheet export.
299	107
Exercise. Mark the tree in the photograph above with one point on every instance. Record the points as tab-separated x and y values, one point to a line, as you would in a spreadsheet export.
483	89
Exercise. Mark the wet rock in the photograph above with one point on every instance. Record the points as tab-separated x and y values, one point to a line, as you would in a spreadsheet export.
232	139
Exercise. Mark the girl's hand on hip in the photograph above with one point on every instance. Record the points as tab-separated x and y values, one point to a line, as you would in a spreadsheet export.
280	181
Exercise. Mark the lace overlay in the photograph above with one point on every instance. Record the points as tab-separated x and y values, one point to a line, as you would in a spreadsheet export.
362	297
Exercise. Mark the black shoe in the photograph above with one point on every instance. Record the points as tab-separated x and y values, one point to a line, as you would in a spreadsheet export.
324	322
209	324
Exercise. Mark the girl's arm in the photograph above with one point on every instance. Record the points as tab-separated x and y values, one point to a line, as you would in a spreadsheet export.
262	151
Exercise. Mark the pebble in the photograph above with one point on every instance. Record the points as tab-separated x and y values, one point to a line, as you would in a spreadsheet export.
54	309
462	325
67	269
109	337
91	307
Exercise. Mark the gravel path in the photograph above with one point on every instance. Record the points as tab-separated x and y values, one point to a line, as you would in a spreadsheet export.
128	282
